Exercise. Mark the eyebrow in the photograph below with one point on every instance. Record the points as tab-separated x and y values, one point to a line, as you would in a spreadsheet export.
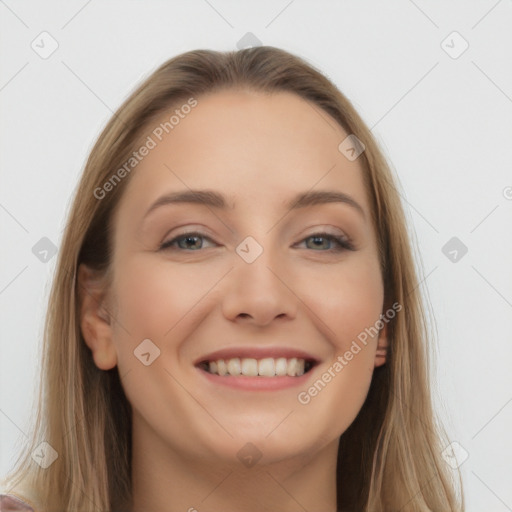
217	200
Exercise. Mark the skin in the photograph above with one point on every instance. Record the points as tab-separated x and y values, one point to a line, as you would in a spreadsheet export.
259	150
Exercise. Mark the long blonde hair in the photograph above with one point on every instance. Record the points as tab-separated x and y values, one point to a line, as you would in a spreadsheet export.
389	458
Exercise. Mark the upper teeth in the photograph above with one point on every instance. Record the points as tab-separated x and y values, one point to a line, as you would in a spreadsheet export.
268	367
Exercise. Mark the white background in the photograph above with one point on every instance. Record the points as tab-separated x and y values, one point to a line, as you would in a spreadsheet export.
445	123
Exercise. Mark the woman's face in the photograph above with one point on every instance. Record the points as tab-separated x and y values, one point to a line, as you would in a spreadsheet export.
252	281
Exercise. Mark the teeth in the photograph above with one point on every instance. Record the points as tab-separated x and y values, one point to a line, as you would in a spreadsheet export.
281	366
249	367
300	366
222	368
292	367
234	367
267	367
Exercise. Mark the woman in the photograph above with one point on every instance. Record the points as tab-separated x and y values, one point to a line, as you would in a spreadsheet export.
235	323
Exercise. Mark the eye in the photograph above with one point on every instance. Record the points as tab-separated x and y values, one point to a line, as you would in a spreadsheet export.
190	242
319	242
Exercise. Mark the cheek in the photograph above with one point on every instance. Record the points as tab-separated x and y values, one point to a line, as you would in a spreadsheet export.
349	304
160	301
153	296
349	300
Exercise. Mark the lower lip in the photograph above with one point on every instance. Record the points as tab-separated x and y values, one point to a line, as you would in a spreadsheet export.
256	383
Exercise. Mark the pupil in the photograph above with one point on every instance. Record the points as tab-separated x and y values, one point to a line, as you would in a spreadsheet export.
190	239
317	240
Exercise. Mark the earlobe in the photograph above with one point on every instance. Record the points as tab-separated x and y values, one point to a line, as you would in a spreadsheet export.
382	347
95	321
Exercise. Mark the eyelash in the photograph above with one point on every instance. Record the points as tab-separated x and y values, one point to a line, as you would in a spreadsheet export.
343	242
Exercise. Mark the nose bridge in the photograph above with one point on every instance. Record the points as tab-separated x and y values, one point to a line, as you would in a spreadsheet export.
257	289
258	263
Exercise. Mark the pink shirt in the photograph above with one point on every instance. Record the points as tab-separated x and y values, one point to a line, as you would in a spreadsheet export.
10	503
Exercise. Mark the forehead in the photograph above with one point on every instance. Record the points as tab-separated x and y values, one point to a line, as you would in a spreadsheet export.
251	145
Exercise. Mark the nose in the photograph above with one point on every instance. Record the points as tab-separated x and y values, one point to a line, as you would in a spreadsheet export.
259	292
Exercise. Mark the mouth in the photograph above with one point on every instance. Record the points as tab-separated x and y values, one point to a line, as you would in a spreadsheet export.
268	367
246	368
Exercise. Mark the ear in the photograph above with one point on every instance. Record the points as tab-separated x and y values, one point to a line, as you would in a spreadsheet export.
95	320
382	347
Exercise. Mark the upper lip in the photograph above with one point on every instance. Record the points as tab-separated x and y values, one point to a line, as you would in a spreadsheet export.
256	353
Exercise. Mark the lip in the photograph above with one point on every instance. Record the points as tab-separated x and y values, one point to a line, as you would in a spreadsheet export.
258	383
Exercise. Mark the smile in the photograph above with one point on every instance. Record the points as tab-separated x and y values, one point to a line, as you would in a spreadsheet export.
249	367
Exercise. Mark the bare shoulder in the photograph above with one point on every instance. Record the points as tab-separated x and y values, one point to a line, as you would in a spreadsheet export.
11	503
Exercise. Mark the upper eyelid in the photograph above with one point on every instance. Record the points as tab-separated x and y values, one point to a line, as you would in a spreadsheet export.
203	231
320	232
187	232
